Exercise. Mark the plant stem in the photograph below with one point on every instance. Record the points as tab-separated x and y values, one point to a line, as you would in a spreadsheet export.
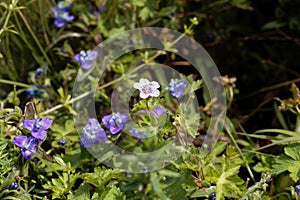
15	83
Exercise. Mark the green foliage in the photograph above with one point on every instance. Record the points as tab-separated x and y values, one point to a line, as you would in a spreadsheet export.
256	46
288	161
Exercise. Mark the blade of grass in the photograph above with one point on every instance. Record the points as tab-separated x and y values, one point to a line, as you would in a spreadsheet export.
227	129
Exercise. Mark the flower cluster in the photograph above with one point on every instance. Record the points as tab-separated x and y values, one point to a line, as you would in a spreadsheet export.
176	87
61	14
115	122
38	129
147	88
92	133
86	59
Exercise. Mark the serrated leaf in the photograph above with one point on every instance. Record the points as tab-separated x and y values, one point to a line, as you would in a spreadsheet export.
114	194
82	193
289	161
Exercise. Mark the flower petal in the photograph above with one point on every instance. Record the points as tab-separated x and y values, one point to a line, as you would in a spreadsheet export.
20	141
101	136
155	84
86	65
105	120
143	95
86	141
46	123
114	129
29	124
93	122
27	154
41	135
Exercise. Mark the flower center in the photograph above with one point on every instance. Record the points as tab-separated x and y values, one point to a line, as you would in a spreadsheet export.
38	125
147	89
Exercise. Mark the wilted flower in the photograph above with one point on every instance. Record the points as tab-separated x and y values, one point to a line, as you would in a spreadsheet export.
27	145
115	122
92	132
38	127
61	14
137	134
86	59
176	87
147	88
32	92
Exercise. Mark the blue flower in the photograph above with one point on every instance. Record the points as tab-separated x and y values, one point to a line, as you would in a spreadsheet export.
61	14
156	112
62	142
86	59
297	189
101	9
38	127
213	196
147	88
91	133
137	134
13	186
176	87
27	145
39	72
32	92
115	122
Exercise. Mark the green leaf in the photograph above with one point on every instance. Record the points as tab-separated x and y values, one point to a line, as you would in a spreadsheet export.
113	194
175	187
82	193
138	3
229	184
273	25
289	161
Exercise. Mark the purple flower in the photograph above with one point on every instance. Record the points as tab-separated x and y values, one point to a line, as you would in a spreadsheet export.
147	88
137	134
38	127
27	145
156	112
91	133
86	59
61	14
176	87
115	122
32	92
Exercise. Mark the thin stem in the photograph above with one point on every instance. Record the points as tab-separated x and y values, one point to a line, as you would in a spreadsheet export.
239	150
35	38
6	20
15	83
